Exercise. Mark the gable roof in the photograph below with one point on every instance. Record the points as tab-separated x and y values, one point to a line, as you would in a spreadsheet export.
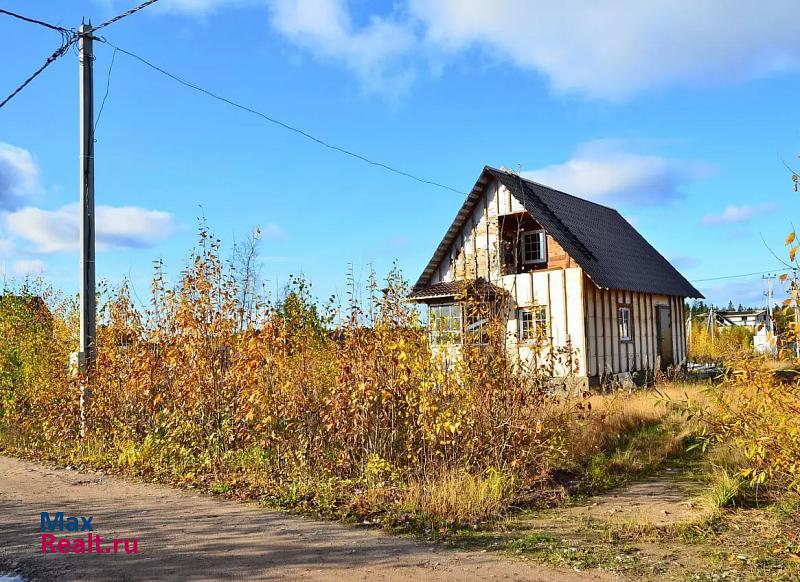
611	252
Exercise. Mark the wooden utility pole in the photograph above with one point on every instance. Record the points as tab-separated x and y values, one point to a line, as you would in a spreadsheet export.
87	354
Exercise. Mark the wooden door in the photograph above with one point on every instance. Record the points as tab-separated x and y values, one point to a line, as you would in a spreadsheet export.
664	336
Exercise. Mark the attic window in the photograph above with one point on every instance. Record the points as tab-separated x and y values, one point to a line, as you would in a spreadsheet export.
523	243
534	247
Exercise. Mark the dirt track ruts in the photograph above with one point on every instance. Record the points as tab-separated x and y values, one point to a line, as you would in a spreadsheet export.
189	536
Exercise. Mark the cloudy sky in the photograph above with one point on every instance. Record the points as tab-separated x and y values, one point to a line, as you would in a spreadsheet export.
680	115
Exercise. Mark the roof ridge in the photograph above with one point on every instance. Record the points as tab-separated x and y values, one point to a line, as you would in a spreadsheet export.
574	222
529	181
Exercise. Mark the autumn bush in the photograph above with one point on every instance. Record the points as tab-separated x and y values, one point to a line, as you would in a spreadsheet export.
38	398
755	411
715	346
343	410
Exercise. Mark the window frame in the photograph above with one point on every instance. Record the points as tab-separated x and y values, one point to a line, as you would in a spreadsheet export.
533	310
452	335
475	327
542	246
628	337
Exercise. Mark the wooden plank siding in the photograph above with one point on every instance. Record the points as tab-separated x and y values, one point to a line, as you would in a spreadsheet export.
606	353
579	313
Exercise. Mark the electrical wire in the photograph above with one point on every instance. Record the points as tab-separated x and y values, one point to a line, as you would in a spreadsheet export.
125	14
108	86
741	275
60	29
282	124
59	52
68	39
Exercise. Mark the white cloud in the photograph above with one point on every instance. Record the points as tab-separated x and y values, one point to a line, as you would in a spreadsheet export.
734	214
604	171
682	261
19	176
373	51
117	227
28	267
192	7
200	7
609	50
272	231
618	48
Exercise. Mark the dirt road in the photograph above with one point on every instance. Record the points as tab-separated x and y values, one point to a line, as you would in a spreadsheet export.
187	536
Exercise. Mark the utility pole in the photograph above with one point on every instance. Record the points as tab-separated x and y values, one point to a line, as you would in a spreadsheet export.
88	345
769	286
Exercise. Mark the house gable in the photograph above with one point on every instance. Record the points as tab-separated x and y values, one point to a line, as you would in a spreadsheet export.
611	252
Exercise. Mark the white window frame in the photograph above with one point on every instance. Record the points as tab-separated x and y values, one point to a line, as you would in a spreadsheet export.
624	321
476	329
437	334
521	328
542	246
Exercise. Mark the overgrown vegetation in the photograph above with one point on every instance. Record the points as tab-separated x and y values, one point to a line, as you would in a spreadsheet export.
714	346
344	412
347	412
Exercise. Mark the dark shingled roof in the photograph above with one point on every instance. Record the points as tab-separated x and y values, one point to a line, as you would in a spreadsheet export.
611	252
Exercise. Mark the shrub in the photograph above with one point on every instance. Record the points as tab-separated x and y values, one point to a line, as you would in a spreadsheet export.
344	411
707	347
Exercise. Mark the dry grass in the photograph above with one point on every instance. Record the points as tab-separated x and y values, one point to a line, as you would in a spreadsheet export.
609	417
459	497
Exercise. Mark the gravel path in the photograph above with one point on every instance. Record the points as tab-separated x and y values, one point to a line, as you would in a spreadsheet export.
188	536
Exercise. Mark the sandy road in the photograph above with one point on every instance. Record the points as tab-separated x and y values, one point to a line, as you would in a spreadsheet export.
188	536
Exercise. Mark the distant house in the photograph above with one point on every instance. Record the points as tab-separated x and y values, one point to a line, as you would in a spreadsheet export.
753	319
549	261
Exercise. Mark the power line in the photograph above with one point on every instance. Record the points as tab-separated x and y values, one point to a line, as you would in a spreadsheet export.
741	275
69	37
60	29
108	86
282	124
58	53
124	14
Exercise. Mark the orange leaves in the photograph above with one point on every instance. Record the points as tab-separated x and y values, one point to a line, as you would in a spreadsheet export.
199	382
790	238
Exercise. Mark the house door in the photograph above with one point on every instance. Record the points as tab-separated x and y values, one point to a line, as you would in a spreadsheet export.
664	336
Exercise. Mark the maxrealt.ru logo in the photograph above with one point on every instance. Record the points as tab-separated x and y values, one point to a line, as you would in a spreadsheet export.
88	544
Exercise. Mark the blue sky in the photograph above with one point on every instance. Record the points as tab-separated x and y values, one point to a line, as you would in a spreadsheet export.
678	116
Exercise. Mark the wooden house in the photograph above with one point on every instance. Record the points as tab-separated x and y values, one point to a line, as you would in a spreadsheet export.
558	264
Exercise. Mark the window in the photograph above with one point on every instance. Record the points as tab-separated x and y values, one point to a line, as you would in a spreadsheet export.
532	323
624	321
534	249
445	323
476	328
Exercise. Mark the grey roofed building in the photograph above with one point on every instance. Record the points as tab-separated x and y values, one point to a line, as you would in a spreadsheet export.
611	251
571	267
